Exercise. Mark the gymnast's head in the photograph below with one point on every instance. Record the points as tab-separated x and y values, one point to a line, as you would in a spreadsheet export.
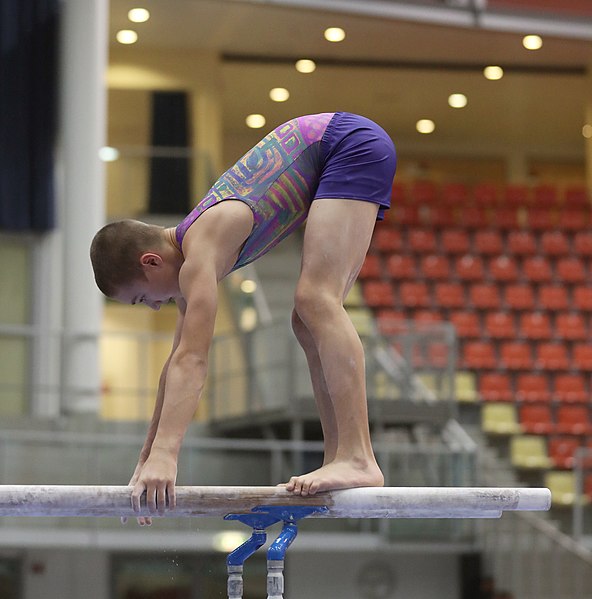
135	263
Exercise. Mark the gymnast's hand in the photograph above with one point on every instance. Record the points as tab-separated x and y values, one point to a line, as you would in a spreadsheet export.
157	478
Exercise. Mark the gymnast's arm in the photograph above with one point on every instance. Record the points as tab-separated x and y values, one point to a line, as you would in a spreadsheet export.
153	426
210	252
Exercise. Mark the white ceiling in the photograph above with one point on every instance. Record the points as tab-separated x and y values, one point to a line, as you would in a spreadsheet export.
543	112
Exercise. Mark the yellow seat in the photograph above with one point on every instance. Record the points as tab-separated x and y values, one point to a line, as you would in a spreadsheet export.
464	387
354	297
500	419
362	319
562	484
529	451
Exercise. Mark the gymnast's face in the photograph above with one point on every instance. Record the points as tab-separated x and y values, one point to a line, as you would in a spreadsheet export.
159	286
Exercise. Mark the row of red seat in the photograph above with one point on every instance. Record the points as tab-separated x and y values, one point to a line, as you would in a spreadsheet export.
488	194
544	419
531	387
478	296
562	450
525	356
421	240
504	269
536	326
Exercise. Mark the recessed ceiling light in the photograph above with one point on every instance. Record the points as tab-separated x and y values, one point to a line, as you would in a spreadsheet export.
108	154
248	286
255	121
587	131
457	100
425	126
493	73
334	34
532	42
138	15
127	36
305	65
279	94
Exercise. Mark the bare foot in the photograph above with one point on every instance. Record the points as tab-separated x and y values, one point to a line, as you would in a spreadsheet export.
336	475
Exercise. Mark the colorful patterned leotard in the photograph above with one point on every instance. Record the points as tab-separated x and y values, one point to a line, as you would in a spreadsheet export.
277	179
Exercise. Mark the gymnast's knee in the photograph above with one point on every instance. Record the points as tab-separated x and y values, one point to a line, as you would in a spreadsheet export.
314	306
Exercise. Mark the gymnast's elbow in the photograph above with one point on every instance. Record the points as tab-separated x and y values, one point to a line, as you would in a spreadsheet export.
189	363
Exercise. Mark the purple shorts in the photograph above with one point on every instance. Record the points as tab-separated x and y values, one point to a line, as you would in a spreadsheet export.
359	161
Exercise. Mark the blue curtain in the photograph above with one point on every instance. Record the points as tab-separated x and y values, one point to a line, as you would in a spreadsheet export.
28	113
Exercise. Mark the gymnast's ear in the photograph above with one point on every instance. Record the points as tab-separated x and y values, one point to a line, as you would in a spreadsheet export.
150	260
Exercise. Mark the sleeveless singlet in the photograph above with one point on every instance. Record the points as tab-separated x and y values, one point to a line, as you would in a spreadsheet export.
277	179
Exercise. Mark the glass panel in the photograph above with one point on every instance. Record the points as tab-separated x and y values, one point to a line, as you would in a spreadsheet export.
14	352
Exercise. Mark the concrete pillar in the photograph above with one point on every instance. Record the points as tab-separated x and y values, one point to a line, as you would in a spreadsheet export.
83	130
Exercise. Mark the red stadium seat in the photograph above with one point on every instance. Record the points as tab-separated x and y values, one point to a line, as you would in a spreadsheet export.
414	295
495	386
517	195
387	240
573	420
582	356
427	316
486	194
485	296
404	215
521	243
554	244
489	243
537	269
562	451
552	356
532	388
573	220
478	355
399	193
466	323
455	241
553	297
535	326
500	325
582	299
583	244
378	294
472	217
571	270
505	218
450	296
469	268
571	326
516	355
570	388
576	196
390	321
536	419
454	194
441	217
424	192
401	267
519	297
435	267
546	196
422	241
541	219
503	269
372	267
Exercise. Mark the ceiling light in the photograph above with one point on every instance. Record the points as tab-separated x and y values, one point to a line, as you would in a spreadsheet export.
127	36
425	126
138	15
457	100
248	286
108	154
587	131
493	73
334	34
532	42
279	94
255	121
305	66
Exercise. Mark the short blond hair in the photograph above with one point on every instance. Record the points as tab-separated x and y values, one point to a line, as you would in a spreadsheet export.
116	250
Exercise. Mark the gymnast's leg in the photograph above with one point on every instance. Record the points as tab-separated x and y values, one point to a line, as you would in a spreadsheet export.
336	240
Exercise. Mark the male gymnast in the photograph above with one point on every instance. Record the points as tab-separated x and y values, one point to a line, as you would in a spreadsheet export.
334	170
